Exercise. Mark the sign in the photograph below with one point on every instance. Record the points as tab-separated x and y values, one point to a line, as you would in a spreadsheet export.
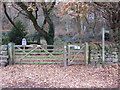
9	44
23	41
74	46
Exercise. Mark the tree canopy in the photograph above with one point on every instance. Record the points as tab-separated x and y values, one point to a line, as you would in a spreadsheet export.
30	11
79	11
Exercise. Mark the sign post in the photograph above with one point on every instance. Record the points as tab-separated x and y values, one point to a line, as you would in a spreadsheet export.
24	43
1	23
11	53
103	45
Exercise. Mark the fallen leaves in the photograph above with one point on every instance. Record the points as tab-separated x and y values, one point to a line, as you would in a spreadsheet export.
52	75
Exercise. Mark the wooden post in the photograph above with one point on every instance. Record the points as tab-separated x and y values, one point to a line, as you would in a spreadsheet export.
65	55
1	23
11	53
68	55
24	48
103	45
119	53
86	52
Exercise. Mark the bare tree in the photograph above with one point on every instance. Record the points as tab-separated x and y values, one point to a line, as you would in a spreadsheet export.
111	12
30	10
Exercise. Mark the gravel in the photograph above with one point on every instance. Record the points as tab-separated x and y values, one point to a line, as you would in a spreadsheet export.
56	76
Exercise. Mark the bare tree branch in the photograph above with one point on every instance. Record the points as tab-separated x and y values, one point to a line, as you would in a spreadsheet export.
18	15
36	14
20	11
5	11
52	6
32	18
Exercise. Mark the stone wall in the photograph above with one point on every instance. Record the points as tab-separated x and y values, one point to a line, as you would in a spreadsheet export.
111	53
3	55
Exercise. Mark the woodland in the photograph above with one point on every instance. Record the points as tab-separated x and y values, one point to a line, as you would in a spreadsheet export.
54	22
60	23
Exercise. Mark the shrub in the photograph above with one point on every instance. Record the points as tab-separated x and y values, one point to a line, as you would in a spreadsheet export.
58	41
5	40
31	42
16	35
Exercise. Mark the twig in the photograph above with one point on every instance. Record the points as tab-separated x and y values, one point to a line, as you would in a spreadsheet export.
20	11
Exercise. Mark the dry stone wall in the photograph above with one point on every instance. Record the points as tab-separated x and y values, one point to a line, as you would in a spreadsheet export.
3	55
111	53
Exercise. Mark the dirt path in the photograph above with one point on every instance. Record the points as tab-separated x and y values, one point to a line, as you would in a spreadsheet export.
52	75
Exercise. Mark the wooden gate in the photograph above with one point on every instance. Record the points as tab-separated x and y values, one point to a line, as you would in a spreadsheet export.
66	54
39	54
78	54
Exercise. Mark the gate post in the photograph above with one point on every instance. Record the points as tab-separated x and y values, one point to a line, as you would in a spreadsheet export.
65	55
11	53
86	52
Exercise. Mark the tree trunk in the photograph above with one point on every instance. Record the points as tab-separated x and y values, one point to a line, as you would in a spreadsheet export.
5	11
115	26
50	35
77	21
38	41
32	18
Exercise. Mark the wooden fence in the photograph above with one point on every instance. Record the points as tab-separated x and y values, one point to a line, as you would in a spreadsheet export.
65	54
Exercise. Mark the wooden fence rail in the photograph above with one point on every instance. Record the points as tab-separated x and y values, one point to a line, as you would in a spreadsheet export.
42	54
